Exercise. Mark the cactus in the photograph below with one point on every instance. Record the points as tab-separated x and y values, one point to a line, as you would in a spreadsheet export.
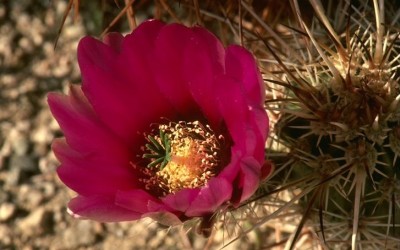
336	97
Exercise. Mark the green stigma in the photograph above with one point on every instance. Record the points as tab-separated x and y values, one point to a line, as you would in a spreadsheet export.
159	148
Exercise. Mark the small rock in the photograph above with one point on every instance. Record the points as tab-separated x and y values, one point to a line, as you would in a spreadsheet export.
81	235
2	11
26	163
7	210
40	150
13	177
4	195
6	235
36	223
123	244
29	198
48	164
26	44
157	241
19	142
48	189
42	135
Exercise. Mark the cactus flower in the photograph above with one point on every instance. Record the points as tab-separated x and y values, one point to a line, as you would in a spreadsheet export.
167	124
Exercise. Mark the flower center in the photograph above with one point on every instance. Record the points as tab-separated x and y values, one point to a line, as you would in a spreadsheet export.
181	155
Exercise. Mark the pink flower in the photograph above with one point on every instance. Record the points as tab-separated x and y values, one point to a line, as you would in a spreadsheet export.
168	124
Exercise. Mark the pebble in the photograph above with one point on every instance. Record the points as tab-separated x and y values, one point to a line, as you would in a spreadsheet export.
4	195
18	136
19	142
13	177
122	243
26	163
83	234
6	236
48	164
28	197
36	223
42	135
2	11
7	210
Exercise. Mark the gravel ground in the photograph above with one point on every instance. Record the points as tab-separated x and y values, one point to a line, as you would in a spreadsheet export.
32	199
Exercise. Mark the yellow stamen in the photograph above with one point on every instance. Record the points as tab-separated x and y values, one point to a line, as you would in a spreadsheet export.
192	160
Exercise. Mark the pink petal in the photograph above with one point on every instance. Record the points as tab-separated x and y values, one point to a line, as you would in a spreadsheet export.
211	197
204	60
243	121
145	35
214	48
105	87
99	208
91	157
114	40
259	116
169	61
231	170
234	110
249	177
121	86
244	172
266	170
92	173
136	200
240	64
82	128
181	200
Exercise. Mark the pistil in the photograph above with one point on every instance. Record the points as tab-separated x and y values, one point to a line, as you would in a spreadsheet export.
181	155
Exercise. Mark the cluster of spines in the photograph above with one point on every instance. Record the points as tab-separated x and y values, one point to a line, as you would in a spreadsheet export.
344	110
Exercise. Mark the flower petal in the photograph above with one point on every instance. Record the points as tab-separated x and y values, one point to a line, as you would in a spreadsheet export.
204	59
260	118
91	173
231	170
83	130
169	61
114	40
99	208
249	177
235	112
181	200
244	123
211	197
136	200
266	170
89	148
240	64
104	86
121	86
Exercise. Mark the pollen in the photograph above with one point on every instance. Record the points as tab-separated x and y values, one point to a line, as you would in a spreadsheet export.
183	155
